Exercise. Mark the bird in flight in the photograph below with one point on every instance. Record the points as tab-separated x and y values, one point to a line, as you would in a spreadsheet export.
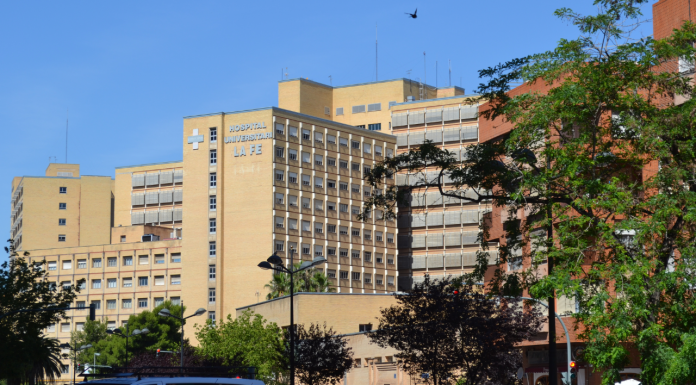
414	14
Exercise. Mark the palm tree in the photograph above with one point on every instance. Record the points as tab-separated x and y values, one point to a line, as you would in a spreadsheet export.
279	286
45	360
305	281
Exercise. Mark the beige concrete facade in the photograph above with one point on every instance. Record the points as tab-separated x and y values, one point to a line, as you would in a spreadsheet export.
279	181
347	314
120	279
61	211
259	182
364	105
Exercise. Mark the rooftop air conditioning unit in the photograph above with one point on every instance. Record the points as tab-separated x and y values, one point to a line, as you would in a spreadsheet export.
410	98
150	238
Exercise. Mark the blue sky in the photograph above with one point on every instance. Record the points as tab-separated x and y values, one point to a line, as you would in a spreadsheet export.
129	71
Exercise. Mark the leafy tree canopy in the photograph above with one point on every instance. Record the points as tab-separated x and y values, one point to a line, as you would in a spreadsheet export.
248	340
24	353
600	153
321	357
308	281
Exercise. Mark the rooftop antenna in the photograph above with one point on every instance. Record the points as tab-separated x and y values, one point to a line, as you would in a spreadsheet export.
376	55
408	74
330	81
286	73
450	72
67	121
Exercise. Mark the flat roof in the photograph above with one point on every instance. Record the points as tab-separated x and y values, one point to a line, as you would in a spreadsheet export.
367	83
437	99
299	115
151	164
315	293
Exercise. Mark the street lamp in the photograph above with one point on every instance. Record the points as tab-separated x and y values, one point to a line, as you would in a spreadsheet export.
136	332
182	319
275	262
74	350
94	367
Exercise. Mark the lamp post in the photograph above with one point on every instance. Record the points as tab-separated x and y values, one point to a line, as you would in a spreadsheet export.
136	332
182	319
275	262
94	367
74	350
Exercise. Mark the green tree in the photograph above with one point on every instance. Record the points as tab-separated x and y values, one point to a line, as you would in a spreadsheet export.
601	156
248	340
24	288
321	357
164	333
308	281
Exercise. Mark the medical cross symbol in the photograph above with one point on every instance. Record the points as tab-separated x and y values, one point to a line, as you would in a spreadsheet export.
195	139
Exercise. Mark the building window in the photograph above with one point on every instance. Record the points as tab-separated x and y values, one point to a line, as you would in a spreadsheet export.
159	281
343	230
280	152
379	280
65	327
213	180
318	160
354	144
142	281
343	274
211	317
52	266
343	142
279	175
319	137
176	257
111	262
318	228
364	328
211	272
123	238
127	303
142	260
343	253
159	259
80	304
331	229
375	127
293	131
61	222
62	206
159	301
305	180
367	255
343	207
318	182
390	238
111	283
292	200
355	276
176	280
339	110
127	282
96	262
213	203
306	135
81	263
390	280
65	369
379	258
213	157
213	134
142	302
96	284
331	274
279	245
211	249
212	226
355	232
355	167
355	254
355	189
127	261
67	265
279	222
305	249
61	238
358	109
110	304
343	164
331	250
292	154
280	129
331	162
211	295
390	259
367	234
378	150
176	301
331	206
